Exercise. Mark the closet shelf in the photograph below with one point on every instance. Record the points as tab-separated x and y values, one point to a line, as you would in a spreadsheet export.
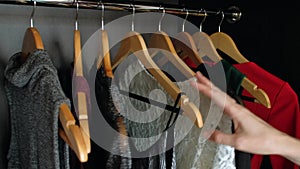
232	14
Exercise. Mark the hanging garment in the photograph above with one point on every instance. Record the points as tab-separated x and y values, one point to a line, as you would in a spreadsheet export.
117	156
187	144
34	95
284	113
233	80
145	123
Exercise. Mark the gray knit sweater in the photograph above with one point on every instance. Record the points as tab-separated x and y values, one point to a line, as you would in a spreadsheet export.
34	95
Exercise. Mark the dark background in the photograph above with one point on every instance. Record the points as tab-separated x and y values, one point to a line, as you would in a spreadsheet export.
267	34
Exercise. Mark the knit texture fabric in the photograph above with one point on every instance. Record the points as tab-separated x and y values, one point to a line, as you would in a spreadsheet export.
34	95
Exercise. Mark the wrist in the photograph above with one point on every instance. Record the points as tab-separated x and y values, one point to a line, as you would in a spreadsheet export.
286	145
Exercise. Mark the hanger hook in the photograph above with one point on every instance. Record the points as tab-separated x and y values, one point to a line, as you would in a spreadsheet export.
102	16
219	27
76	18
186	16
162	16
32	14
133	15
205	15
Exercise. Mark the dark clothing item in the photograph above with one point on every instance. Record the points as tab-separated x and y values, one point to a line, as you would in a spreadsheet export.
70	81
100	157
35	95
103	93
284	113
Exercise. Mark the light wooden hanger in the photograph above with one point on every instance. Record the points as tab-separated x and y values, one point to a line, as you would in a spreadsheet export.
32	39
71	133
134	43
81	96
104	57
161	42
225	43
204	45
185	45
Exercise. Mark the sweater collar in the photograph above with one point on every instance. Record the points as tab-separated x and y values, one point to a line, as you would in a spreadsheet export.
19	74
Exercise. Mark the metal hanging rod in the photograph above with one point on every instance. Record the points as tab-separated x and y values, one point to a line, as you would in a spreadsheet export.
232	14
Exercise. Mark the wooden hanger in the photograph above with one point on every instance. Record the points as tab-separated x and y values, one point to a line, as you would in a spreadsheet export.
32	39
204	45
134	43
81	96
160	40
104	57
71	133
225	43
207	49
185	45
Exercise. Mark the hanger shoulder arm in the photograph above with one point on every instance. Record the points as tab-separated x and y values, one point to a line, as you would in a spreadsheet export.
191	111
73	133
32	41
106	55
206	47
225	43
81	96
160	41
259	94
77	55
185	45
83	119
122	53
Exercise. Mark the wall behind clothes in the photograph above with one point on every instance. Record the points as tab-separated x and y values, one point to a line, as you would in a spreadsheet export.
56	26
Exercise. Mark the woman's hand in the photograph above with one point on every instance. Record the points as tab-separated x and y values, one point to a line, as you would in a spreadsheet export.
252	134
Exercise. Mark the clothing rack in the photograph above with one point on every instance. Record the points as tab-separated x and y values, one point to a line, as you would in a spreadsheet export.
232	14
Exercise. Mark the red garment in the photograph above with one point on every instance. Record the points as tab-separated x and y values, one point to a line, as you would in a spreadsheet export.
283	114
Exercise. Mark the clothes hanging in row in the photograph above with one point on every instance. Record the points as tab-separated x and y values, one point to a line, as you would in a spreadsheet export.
163	145
139	81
